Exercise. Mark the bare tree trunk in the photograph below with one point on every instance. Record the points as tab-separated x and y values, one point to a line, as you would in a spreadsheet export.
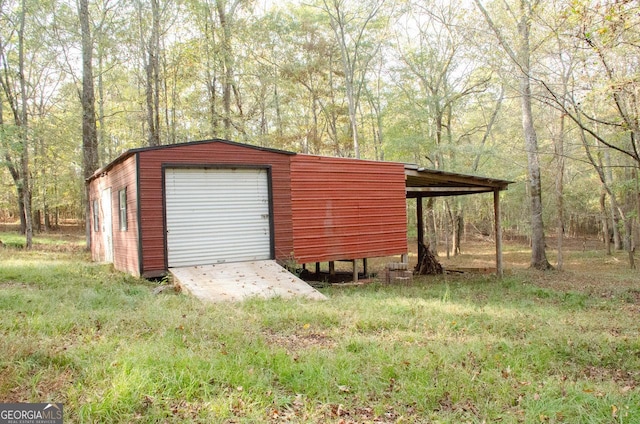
43	221
613	202
237	95
227	65
13	165
630	204
351	52
522	58
628	241
458	229
487	131
152	139
376	119
337	23
636	239
315	133
353	118
605	223
150	51
447	221
47	218
170	92
14	171
538	253
89	130
606	179
330	113
559	142
432	226
559	153
26	186
101	134
276	99
154	63
210	45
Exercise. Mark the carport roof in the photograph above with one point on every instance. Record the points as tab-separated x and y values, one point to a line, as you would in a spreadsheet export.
423	182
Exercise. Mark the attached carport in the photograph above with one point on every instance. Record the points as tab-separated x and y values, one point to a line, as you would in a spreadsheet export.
422	182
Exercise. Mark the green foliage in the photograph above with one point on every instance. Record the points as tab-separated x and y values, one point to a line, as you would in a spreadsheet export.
430	77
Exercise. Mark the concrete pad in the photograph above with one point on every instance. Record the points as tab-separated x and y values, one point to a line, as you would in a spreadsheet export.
241	280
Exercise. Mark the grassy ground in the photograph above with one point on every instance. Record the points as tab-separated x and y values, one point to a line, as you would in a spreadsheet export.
532	347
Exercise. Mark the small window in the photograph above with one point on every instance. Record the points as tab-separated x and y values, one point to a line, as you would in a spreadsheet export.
122	196
96	217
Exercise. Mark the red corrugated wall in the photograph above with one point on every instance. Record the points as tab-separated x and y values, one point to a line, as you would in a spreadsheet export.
152	223
347	209
125	242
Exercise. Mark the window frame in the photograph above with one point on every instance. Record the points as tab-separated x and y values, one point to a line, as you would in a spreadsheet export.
122	209
96	215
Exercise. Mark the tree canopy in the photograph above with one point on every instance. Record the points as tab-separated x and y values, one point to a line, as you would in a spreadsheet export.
541	92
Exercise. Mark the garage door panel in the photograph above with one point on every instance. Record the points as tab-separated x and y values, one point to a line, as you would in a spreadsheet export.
216	215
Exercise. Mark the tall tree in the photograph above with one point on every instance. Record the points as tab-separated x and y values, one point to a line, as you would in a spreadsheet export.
304	66
206	15
149	33
521	57
433	55
89	130
560	60
8	134
24	127
226	14
107	30
608	111
375	97
350	24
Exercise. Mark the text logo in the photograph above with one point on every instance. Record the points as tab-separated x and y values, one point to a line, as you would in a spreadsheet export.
31	413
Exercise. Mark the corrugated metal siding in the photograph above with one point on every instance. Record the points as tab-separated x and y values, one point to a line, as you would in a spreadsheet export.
153	249
347	208
125	243
216	215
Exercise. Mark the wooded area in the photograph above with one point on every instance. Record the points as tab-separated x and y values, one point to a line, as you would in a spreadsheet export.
544	93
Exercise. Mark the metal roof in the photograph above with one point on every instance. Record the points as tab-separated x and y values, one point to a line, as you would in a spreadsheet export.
124	155
423	182
420	182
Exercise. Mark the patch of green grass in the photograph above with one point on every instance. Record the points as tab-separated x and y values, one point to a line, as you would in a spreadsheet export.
14	240
464	349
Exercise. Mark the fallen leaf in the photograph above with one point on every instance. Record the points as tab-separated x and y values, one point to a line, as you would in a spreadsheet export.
506	372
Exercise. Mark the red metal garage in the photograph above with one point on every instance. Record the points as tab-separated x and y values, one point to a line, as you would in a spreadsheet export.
219	201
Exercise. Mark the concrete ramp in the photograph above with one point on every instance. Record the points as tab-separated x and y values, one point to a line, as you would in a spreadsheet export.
241	280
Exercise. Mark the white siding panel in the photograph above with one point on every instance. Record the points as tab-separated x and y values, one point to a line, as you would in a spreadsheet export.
216	215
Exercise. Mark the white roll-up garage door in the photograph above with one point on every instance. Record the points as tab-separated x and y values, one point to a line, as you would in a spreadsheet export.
216	215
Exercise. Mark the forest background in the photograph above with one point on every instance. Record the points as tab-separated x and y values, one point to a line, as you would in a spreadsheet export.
540	92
